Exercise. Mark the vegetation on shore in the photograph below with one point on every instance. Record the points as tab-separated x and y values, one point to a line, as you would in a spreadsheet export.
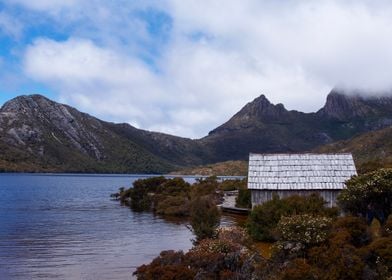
175	197
226	168
227	256
264	218
310	240
204	218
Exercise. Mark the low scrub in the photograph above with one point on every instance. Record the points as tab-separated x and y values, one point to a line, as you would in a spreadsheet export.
264	218
306	229
227	256
173	197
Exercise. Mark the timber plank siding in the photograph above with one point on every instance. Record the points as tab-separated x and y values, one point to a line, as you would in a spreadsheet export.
298	174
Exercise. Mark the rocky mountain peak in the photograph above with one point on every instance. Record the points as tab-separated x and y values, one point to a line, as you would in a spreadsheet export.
30	119
258	111
52	136
261	108
24	102
343	106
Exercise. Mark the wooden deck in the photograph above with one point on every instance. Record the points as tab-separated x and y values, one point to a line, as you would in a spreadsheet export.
228	204
235	210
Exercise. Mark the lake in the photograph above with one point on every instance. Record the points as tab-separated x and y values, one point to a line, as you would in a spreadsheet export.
66	227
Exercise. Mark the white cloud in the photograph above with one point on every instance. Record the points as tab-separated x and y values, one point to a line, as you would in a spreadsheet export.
93	78
219	56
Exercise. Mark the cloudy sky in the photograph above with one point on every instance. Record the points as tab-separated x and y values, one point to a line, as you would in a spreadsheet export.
185	66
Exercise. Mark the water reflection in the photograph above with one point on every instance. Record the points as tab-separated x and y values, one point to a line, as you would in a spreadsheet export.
66	227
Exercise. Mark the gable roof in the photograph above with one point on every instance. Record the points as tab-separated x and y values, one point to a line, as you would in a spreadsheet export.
299	171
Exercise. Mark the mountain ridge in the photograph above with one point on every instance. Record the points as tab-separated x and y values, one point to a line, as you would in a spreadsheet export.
39	134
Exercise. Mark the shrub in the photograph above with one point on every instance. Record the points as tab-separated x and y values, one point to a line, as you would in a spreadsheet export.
336	261
243	199
203	187
175	186
306	229
149	184
368	195
224	257
388	225
297	269
140	194
204	218
125	195
172	205
263	219
356	229
168	265
379	255
231	185
234	234
140	201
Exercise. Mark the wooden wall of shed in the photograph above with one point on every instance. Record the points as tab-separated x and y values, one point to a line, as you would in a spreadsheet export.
261	196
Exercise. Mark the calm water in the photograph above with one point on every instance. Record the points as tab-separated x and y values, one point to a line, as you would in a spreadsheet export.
66	227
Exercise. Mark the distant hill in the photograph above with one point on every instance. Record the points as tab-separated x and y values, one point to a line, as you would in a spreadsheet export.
371	150
40	135
227	168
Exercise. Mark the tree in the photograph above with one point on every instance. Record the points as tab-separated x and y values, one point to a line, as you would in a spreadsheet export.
368	195
205	218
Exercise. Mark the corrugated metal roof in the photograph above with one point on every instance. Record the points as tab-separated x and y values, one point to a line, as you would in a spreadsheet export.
299	171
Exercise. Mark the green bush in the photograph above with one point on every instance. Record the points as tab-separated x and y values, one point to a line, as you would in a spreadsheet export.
368	195
149	184
173	206
297	269
167	266
305	229
203	187
355	227
388	226
232	185
379	256
204	218
175	186
141	193
244	199
224	257
264	218
336	261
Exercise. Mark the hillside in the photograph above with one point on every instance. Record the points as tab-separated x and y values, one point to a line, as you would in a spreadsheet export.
371	150
40	135
37	134
227	168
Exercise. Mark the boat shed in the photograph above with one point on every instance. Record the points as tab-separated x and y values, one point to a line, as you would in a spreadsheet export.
298	174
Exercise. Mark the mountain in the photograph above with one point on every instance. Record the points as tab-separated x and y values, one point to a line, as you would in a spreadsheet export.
37	134
371	150
267	128
264	127
356	106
